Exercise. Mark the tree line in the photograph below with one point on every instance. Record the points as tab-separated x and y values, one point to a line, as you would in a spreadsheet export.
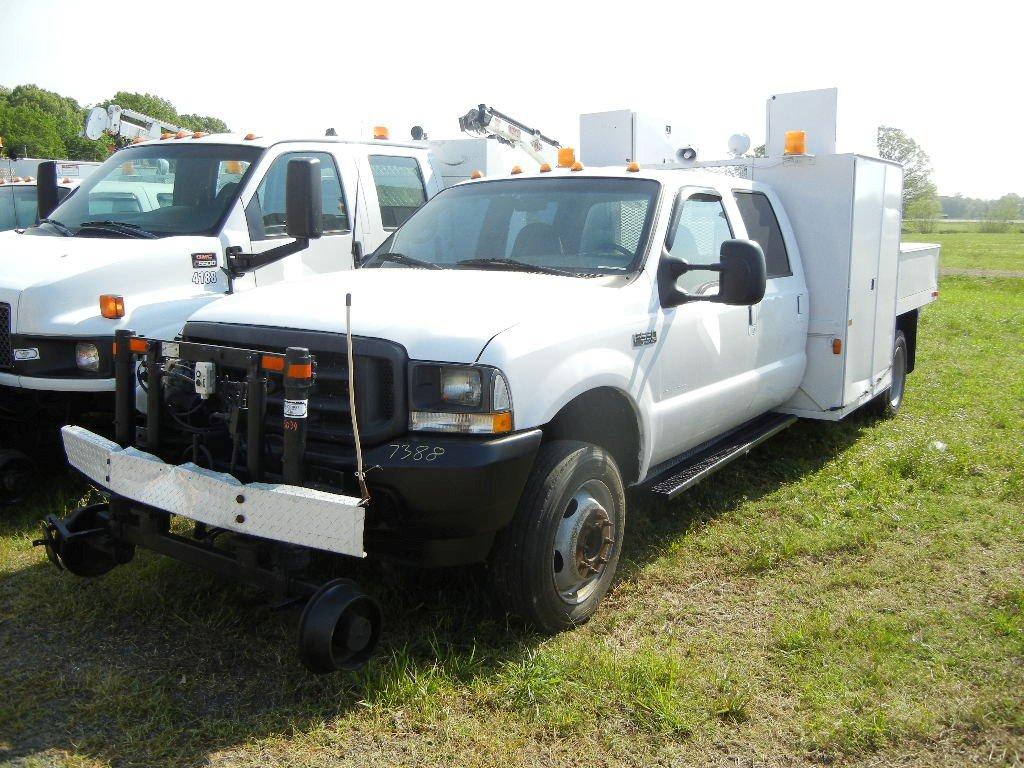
35	122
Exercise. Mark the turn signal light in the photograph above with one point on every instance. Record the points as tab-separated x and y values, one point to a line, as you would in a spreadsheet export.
111	306
381	132
501	422
516	170
796	143
566	157
837	346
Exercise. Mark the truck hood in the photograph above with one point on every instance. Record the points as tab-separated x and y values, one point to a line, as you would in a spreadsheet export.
53	283
447	315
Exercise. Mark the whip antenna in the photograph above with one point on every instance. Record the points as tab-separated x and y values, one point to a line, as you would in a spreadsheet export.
352	400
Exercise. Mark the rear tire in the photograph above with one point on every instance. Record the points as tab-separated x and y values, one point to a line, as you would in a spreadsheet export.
887	404
17	476
556	560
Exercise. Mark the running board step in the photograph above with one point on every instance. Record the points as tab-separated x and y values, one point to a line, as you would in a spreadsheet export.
737	444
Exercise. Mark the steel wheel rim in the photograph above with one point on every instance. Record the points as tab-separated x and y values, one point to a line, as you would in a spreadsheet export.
584	542
899	376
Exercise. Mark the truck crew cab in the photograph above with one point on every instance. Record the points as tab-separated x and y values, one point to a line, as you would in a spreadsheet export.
509	361
161	229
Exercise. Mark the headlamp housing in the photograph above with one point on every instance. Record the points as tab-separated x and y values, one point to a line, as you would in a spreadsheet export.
473	399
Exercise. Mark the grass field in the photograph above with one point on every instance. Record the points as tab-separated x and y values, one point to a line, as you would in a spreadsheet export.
850	593
965	250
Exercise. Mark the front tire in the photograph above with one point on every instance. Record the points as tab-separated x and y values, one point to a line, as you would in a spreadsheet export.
556	560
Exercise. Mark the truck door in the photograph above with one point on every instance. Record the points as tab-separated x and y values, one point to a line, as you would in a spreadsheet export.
265	215
780	320
705	368
399	188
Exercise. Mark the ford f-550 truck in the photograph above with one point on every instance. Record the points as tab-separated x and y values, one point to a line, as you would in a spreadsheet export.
504	366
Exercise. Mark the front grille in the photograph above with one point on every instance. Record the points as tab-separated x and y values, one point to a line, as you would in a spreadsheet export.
6	351
380	380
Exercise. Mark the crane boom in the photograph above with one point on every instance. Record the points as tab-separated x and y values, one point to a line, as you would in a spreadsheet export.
124	124
489	122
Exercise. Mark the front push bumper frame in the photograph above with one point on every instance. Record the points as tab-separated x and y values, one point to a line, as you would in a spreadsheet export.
282	513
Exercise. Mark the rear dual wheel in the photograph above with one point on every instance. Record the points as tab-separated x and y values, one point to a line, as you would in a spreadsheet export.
887	404
556	560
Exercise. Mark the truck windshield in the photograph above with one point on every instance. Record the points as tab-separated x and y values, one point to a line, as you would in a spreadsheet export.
163	189
576	225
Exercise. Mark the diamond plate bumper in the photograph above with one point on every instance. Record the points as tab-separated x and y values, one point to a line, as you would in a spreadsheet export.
286	513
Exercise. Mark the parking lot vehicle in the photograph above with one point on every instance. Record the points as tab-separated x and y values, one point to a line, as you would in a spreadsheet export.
18	200
506	364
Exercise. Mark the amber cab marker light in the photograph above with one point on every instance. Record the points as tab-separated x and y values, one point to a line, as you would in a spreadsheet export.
633	167
837	346
250	136
181	134
577	167
164	136
545	168
381	132
516	170
112	306
476	175
566	157
796	143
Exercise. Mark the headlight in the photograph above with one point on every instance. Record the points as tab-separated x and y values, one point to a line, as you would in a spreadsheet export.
462	386
459	398
87	356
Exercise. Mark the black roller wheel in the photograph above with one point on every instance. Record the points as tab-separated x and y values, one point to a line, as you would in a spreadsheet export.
81	543
17	476
339	628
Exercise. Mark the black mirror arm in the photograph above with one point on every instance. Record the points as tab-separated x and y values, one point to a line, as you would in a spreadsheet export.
670	269
239	263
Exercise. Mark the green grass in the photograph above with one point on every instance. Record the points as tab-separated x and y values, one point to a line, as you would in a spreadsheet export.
966	250
850	593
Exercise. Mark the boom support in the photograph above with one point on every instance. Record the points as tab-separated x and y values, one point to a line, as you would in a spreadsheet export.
490	123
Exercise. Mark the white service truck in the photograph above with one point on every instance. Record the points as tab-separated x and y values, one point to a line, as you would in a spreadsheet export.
505	365
18	200
161	229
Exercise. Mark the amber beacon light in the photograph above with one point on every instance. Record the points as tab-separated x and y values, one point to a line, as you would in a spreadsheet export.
796	143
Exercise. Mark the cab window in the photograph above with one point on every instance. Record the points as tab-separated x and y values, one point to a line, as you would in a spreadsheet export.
266	211
700	229
763	228
400	188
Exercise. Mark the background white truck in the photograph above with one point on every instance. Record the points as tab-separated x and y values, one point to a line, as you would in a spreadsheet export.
518	353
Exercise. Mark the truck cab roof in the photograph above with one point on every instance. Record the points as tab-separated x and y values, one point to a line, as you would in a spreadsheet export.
258	140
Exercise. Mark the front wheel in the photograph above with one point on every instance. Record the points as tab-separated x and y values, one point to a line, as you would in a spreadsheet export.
554	563
887	405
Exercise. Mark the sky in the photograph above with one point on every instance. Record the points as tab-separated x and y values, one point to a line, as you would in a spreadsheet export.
948	74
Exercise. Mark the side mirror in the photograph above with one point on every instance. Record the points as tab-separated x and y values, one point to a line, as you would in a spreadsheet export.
743	273
46	188
742	276
304	200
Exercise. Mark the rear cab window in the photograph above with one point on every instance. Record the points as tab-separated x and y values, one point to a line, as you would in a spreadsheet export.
400	188
763	228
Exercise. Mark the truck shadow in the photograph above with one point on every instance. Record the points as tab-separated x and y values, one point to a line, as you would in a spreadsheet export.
157	663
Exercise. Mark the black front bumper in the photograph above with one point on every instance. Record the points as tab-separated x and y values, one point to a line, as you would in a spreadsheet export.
56	357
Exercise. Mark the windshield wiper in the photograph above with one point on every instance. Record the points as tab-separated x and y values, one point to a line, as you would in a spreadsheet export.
59	226
409	261
512	264
121	227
